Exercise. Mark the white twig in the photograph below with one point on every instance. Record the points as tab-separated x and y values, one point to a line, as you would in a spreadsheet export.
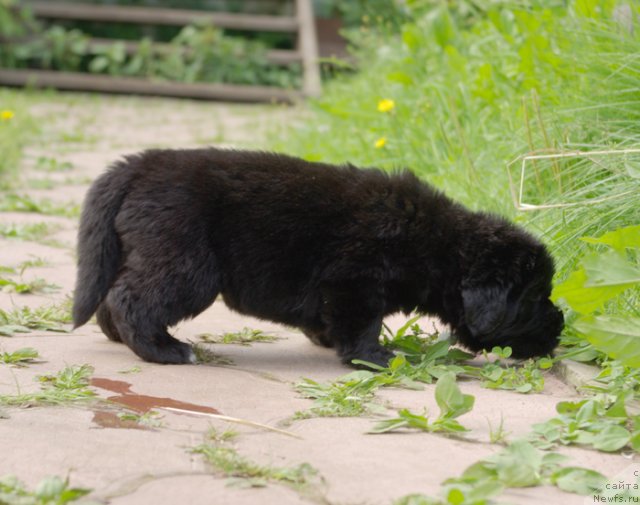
517	193
233	420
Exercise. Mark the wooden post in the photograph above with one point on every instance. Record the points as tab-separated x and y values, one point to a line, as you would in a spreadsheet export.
308	46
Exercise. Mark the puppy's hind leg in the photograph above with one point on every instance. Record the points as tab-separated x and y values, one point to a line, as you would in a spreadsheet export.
143	304
106	323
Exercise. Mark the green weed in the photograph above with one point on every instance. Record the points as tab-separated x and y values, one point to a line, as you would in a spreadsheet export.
350	395
17	128
50	491
70	385
219	437
452	403
244	472
47	183
25	319
29	287
609	275
517	465
19	357
246	336
13	202
424	360
32	263
204	355
607	421
151	419
498	435
48	164
133	369
524	378
36	232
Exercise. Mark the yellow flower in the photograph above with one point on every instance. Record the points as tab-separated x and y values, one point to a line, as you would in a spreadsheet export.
381	142
386	105
6	115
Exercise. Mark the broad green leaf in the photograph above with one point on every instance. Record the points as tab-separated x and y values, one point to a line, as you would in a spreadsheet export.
455	497
50	488
450	399
610	268
480	470
448	425
578	480
587	412
443	27
414	420
551	459
518	474
635	441
400	77
619	337
611	438
581	298
412	36
407	325
388	425
519	465
620	239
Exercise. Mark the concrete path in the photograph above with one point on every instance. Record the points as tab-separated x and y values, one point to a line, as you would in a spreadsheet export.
126	462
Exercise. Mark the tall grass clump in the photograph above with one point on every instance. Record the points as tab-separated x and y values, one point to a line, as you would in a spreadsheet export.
464	90
16	128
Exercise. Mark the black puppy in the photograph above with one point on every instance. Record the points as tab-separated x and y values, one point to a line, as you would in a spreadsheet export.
330	250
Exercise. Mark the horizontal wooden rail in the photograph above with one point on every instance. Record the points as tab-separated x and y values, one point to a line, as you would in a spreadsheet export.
275	56
73	81
160	16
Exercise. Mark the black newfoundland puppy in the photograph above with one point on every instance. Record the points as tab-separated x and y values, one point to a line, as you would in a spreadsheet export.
328	249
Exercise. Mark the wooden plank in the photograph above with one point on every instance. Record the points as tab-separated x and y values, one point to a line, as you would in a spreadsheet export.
162	16
308	44
106	84
275	56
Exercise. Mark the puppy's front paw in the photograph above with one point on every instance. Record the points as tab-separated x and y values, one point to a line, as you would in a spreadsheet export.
170	352
377	355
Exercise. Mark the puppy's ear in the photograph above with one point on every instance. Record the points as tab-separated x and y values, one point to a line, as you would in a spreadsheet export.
484	309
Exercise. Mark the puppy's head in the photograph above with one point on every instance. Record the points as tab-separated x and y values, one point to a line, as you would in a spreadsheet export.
505	300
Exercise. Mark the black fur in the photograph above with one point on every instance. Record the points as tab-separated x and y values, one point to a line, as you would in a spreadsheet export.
330	250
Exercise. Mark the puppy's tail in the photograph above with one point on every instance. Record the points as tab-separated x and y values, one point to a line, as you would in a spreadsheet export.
99	248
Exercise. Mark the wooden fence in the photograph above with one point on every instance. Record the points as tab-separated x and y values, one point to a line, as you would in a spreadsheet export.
301	25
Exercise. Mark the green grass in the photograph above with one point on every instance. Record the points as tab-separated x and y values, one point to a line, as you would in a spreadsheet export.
70	385
33	232
452	403
49	491
348	396
205	355
246	336
227	461
12	202
15	133
26	319
27	287
472	91
19	357
518	465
